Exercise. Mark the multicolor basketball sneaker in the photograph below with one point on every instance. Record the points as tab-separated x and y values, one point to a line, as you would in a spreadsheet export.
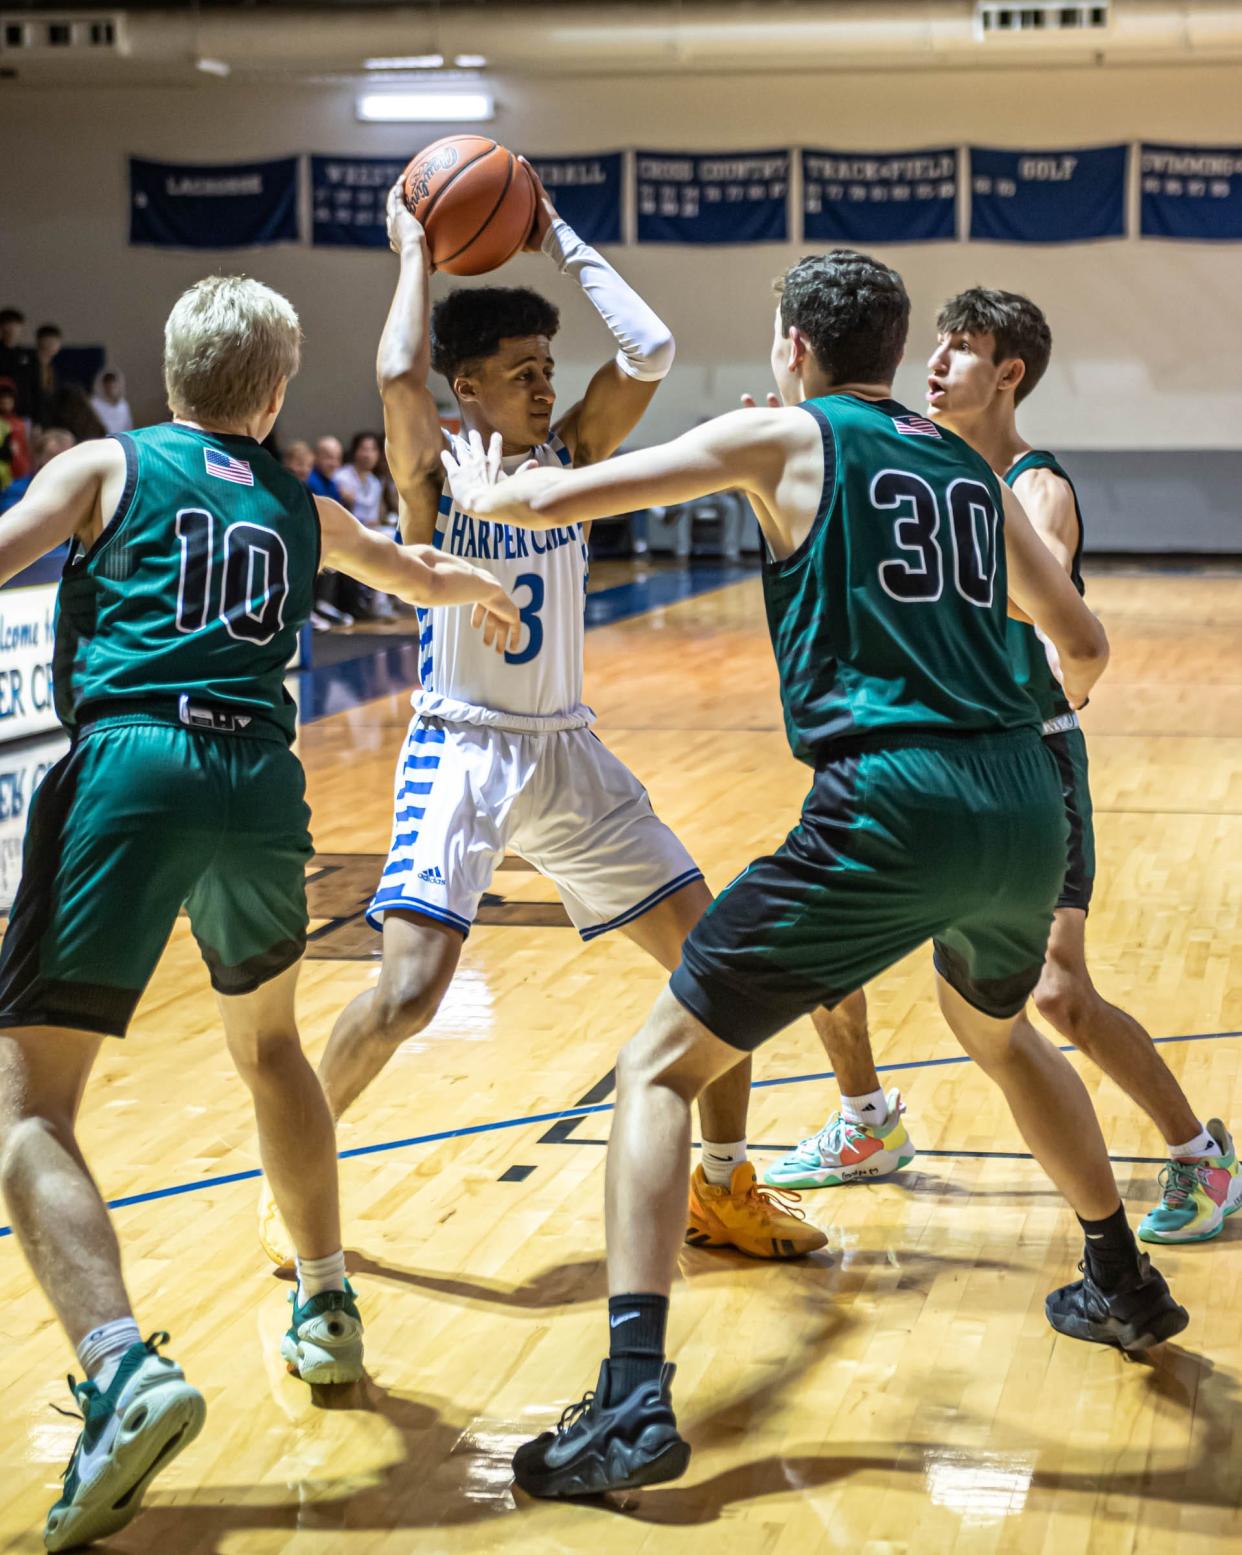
1197	1195
131	1430
845	1152
755	1220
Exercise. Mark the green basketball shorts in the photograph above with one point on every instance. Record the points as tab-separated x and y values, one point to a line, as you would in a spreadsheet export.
141	817
1069	750
956	839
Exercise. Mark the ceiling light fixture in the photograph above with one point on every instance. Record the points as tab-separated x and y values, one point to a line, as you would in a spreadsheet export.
424	107
470	61
405	62
214	67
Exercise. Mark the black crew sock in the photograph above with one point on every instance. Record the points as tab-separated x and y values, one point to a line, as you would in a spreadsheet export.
1112	1252
636	1327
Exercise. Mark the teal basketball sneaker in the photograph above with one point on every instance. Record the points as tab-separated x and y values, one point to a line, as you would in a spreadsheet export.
324	1340
131	1430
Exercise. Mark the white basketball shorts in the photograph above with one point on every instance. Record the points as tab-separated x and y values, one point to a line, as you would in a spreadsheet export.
466	794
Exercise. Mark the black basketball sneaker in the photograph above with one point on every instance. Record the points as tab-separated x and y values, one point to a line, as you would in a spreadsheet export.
599	1446
1139	1313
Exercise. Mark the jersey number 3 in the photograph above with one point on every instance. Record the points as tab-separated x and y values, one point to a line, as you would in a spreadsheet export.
918	576
529	616
252	578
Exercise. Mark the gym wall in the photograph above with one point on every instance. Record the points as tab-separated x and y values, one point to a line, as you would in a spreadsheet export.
1148	335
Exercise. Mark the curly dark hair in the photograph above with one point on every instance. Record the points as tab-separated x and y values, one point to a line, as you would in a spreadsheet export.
470	324
852	309
1016	325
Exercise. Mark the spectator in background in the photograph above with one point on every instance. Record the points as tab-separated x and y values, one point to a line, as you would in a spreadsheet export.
14	447
299	460
321	482
47	445
109	403
70	407
18	362
328	458
48	341
362	491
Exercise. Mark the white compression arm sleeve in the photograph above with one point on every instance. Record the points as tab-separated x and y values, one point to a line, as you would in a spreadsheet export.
646	342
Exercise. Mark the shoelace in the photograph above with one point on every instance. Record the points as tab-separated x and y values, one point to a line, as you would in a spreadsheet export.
1177	1182
572	1413
784	1200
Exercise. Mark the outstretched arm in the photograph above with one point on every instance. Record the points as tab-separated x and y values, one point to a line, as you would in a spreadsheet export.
1042	591
412	431
419	574
622	389
62	500
774	456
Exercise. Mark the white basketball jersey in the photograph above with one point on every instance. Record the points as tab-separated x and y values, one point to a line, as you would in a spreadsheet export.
538	686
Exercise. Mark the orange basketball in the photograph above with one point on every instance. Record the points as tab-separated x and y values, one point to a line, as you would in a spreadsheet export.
475	201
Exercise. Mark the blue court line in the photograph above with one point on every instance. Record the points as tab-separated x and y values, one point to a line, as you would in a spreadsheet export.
335	688
252	1173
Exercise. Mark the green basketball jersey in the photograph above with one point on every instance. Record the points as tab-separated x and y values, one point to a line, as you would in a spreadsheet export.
198	586
890	617
1026	652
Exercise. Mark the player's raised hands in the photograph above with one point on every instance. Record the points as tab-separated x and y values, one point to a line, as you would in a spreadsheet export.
545	211
749	402
404	228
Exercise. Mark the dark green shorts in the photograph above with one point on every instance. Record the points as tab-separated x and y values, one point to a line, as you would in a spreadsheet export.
1069	748
957	840
140	818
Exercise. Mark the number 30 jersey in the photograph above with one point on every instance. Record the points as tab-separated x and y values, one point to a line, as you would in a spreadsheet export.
536	688
891	616
197	586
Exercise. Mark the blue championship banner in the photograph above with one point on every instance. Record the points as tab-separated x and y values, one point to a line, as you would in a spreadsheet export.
1191	192
348	199
721	197
236	205
879	197
586	191
1047	196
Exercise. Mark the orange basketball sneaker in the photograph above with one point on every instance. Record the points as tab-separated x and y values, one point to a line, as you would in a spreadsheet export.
274	1235
762	1222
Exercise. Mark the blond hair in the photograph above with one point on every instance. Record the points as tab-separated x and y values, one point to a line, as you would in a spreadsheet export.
229	341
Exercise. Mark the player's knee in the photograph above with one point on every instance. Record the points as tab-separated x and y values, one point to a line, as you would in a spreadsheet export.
25	1138
1067	1004
403	1006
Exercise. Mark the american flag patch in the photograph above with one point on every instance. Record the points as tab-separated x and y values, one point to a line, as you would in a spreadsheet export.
226	468
916	426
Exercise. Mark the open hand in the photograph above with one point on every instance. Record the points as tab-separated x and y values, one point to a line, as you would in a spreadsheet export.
404	228
545	211
472	470
500	620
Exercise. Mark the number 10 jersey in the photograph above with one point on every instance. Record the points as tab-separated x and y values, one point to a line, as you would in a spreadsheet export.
197	586
536	688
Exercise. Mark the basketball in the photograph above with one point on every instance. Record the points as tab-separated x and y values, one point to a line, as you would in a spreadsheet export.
475	201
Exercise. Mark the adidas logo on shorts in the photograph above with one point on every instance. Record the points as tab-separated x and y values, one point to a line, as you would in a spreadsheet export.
432	876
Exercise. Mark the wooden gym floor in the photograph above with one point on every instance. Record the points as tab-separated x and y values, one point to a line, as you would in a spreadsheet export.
898	1393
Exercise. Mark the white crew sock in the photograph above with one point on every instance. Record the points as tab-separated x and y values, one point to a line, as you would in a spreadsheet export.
1201	1144
315	1275
869	1111
101	1351
720	1159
